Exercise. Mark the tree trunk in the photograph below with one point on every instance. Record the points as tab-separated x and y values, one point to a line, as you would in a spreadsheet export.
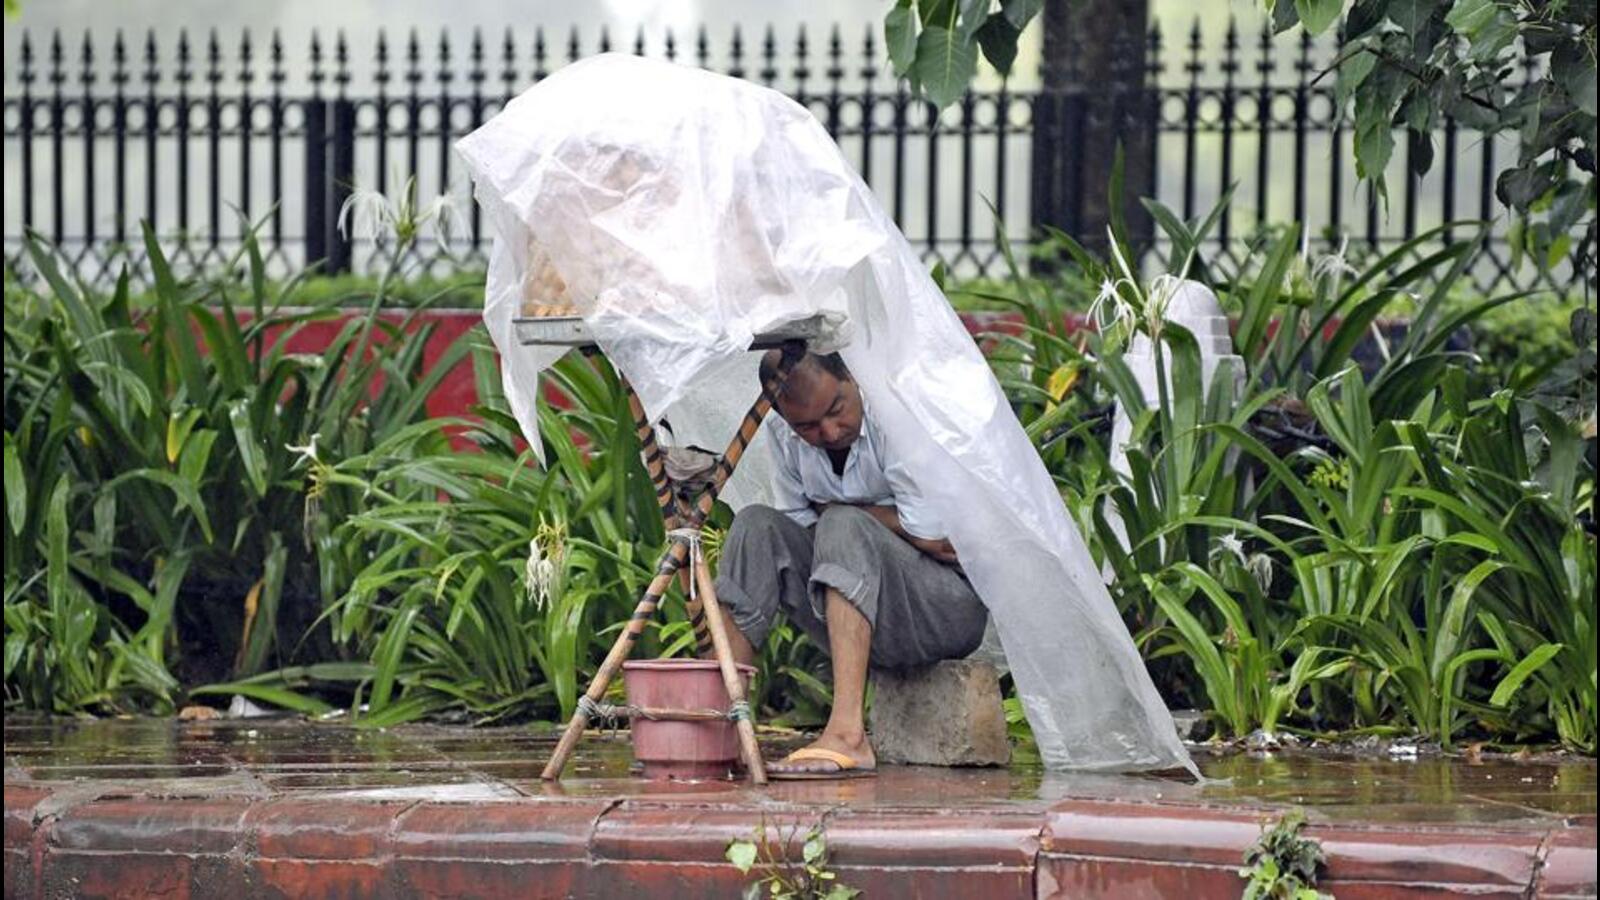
1092	99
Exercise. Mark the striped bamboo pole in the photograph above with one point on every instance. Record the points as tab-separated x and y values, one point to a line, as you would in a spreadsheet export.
749	749
655	466
671	562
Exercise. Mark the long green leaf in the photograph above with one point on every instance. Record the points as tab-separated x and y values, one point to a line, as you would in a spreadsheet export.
173	322
1522	671
277	696
16	488
251	453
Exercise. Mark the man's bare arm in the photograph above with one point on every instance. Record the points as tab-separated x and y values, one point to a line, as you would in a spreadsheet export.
938	548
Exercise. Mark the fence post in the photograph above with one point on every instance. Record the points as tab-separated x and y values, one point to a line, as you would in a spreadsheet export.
340	182
316	180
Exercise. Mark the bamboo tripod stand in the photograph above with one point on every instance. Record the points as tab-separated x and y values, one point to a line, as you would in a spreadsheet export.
681	560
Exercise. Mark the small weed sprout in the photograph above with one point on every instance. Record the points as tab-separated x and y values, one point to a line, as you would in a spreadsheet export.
780	878
1282	865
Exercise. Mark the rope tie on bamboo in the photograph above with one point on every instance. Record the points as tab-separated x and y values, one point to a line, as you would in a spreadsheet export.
611	715
691	537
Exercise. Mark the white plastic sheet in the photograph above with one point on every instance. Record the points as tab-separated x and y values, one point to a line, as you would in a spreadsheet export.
683	212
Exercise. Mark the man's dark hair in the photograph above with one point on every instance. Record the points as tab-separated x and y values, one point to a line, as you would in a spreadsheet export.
778	365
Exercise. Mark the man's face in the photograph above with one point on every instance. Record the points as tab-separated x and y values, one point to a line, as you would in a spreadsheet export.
823	409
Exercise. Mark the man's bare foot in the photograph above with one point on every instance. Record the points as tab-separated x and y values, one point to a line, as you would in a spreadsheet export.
831	754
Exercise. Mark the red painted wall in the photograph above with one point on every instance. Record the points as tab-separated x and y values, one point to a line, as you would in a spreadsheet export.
457	393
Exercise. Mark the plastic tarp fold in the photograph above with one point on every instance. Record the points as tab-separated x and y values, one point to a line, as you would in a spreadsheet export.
683	212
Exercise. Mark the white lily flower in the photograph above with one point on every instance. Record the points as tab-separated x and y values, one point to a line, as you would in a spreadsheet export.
1334	264
449	222
1110	309
366	213
541	574
307	452
538	575
1259	565
1230	543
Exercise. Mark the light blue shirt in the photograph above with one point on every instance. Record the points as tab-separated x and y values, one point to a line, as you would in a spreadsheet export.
873	476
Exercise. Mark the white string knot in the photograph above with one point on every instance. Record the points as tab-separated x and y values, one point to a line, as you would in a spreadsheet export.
691	537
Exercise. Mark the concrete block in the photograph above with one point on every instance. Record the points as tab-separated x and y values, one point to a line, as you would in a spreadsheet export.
945	714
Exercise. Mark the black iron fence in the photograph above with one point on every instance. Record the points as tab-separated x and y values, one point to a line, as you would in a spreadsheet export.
202	139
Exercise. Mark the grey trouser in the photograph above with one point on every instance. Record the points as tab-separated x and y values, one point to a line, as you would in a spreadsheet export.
920	610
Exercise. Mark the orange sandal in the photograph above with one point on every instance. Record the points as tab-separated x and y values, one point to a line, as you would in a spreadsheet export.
844	766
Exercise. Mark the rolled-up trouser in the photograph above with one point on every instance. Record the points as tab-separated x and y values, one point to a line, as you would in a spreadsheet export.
920	610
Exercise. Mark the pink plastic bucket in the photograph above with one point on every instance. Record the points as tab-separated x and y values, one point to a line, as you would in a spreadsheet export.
679	749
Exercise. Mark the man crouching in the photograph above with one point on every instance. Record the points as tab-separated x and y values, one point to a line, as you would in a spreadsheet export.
850	552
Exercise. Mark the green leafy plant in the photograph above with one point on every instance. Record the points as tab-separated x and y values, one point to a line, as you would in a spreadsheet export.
481	582
934	44
809	879
1282	864
1324	549
1410	65
155	460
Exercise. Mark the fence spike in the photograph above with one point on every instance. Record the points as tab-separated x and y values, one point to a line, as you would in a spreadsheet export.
183	74
508	63
539	71
119	61
213	60
736	53
277	75
443	75
835	58
1265	65
246	56
702	48
26	75
638	42
380	68
869	53
1194	67
769	57
1155	66
671	47
476	74
801	51
316	75
86	75
57	60
341	61
1230	50
413	61
151	73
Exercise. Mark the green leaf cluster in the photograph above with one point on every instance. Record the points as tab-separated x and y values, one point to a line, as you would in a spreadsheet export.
1304	546
934	44
1494	66
779	877
157	508
1282	864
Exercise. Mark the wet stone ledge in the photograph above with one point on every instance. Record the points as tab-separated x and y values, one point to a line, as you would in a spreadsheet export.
293	809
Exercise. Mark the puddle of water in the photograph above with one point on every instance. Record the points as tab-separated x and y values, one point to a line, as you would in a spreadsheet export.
439	762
